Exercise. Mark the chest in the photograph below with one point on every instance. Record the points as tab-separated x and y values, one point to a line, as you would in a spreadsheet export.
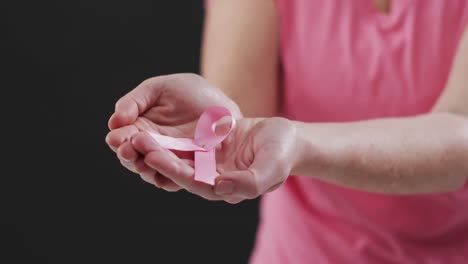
345	60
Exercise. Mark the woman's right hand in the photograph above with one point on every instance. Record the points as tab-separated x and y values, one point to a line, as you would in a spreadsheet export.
169	105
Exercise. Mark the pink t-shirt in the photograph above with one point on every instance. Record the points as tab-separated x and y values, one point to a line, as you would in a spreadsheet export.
343	61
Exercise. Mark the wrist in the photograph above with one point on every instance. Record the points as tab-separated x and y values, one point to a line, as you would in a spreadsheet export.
310	158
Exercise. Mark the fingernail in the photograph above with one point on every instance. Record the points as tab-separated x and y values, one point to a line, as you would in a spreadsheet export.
224	187
132	139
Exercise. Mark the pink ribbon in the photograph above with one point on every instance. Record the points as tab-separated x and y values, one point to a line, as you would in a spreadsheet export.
204	142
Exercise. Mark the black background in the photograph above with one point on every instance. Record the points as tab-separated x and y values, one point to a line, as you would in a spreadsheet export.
65	197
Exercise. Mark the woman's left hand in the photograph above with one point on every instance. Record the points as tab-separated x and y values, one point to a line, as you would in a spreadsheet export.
255	158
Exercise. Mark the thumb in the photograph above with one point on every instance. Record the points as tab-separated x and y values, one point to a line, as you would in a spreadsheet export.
237	183
126	113
264	175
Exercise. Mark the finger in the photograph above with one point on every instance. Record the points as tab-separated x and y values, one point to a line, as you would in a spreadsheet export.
177	170
164	183
112	148
108	141
126	152
142	143
167	163
146	173
262	176
126	113
151	176
234	200
117	137
136	102
129	166
128	156
237	183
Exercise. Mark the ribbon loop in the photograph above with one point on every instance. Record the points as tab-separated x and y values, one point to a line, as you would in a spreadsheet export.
205	134
204	142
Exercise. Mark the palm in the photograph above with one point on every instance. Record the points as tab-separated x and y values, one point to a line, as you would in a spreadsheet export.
264	141
172	106
256	156
169	105
184	130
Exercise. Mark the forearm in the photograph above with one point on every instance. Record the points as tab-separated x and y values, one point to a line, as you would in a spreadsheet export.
427	153
240	53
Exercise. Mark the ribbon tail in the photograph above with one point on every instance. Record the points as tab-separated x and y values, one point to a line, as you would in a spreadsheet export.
183	144
205	167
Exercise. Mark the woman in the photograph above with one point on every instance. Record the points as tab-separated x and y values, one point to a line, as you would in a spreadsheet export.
374	100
